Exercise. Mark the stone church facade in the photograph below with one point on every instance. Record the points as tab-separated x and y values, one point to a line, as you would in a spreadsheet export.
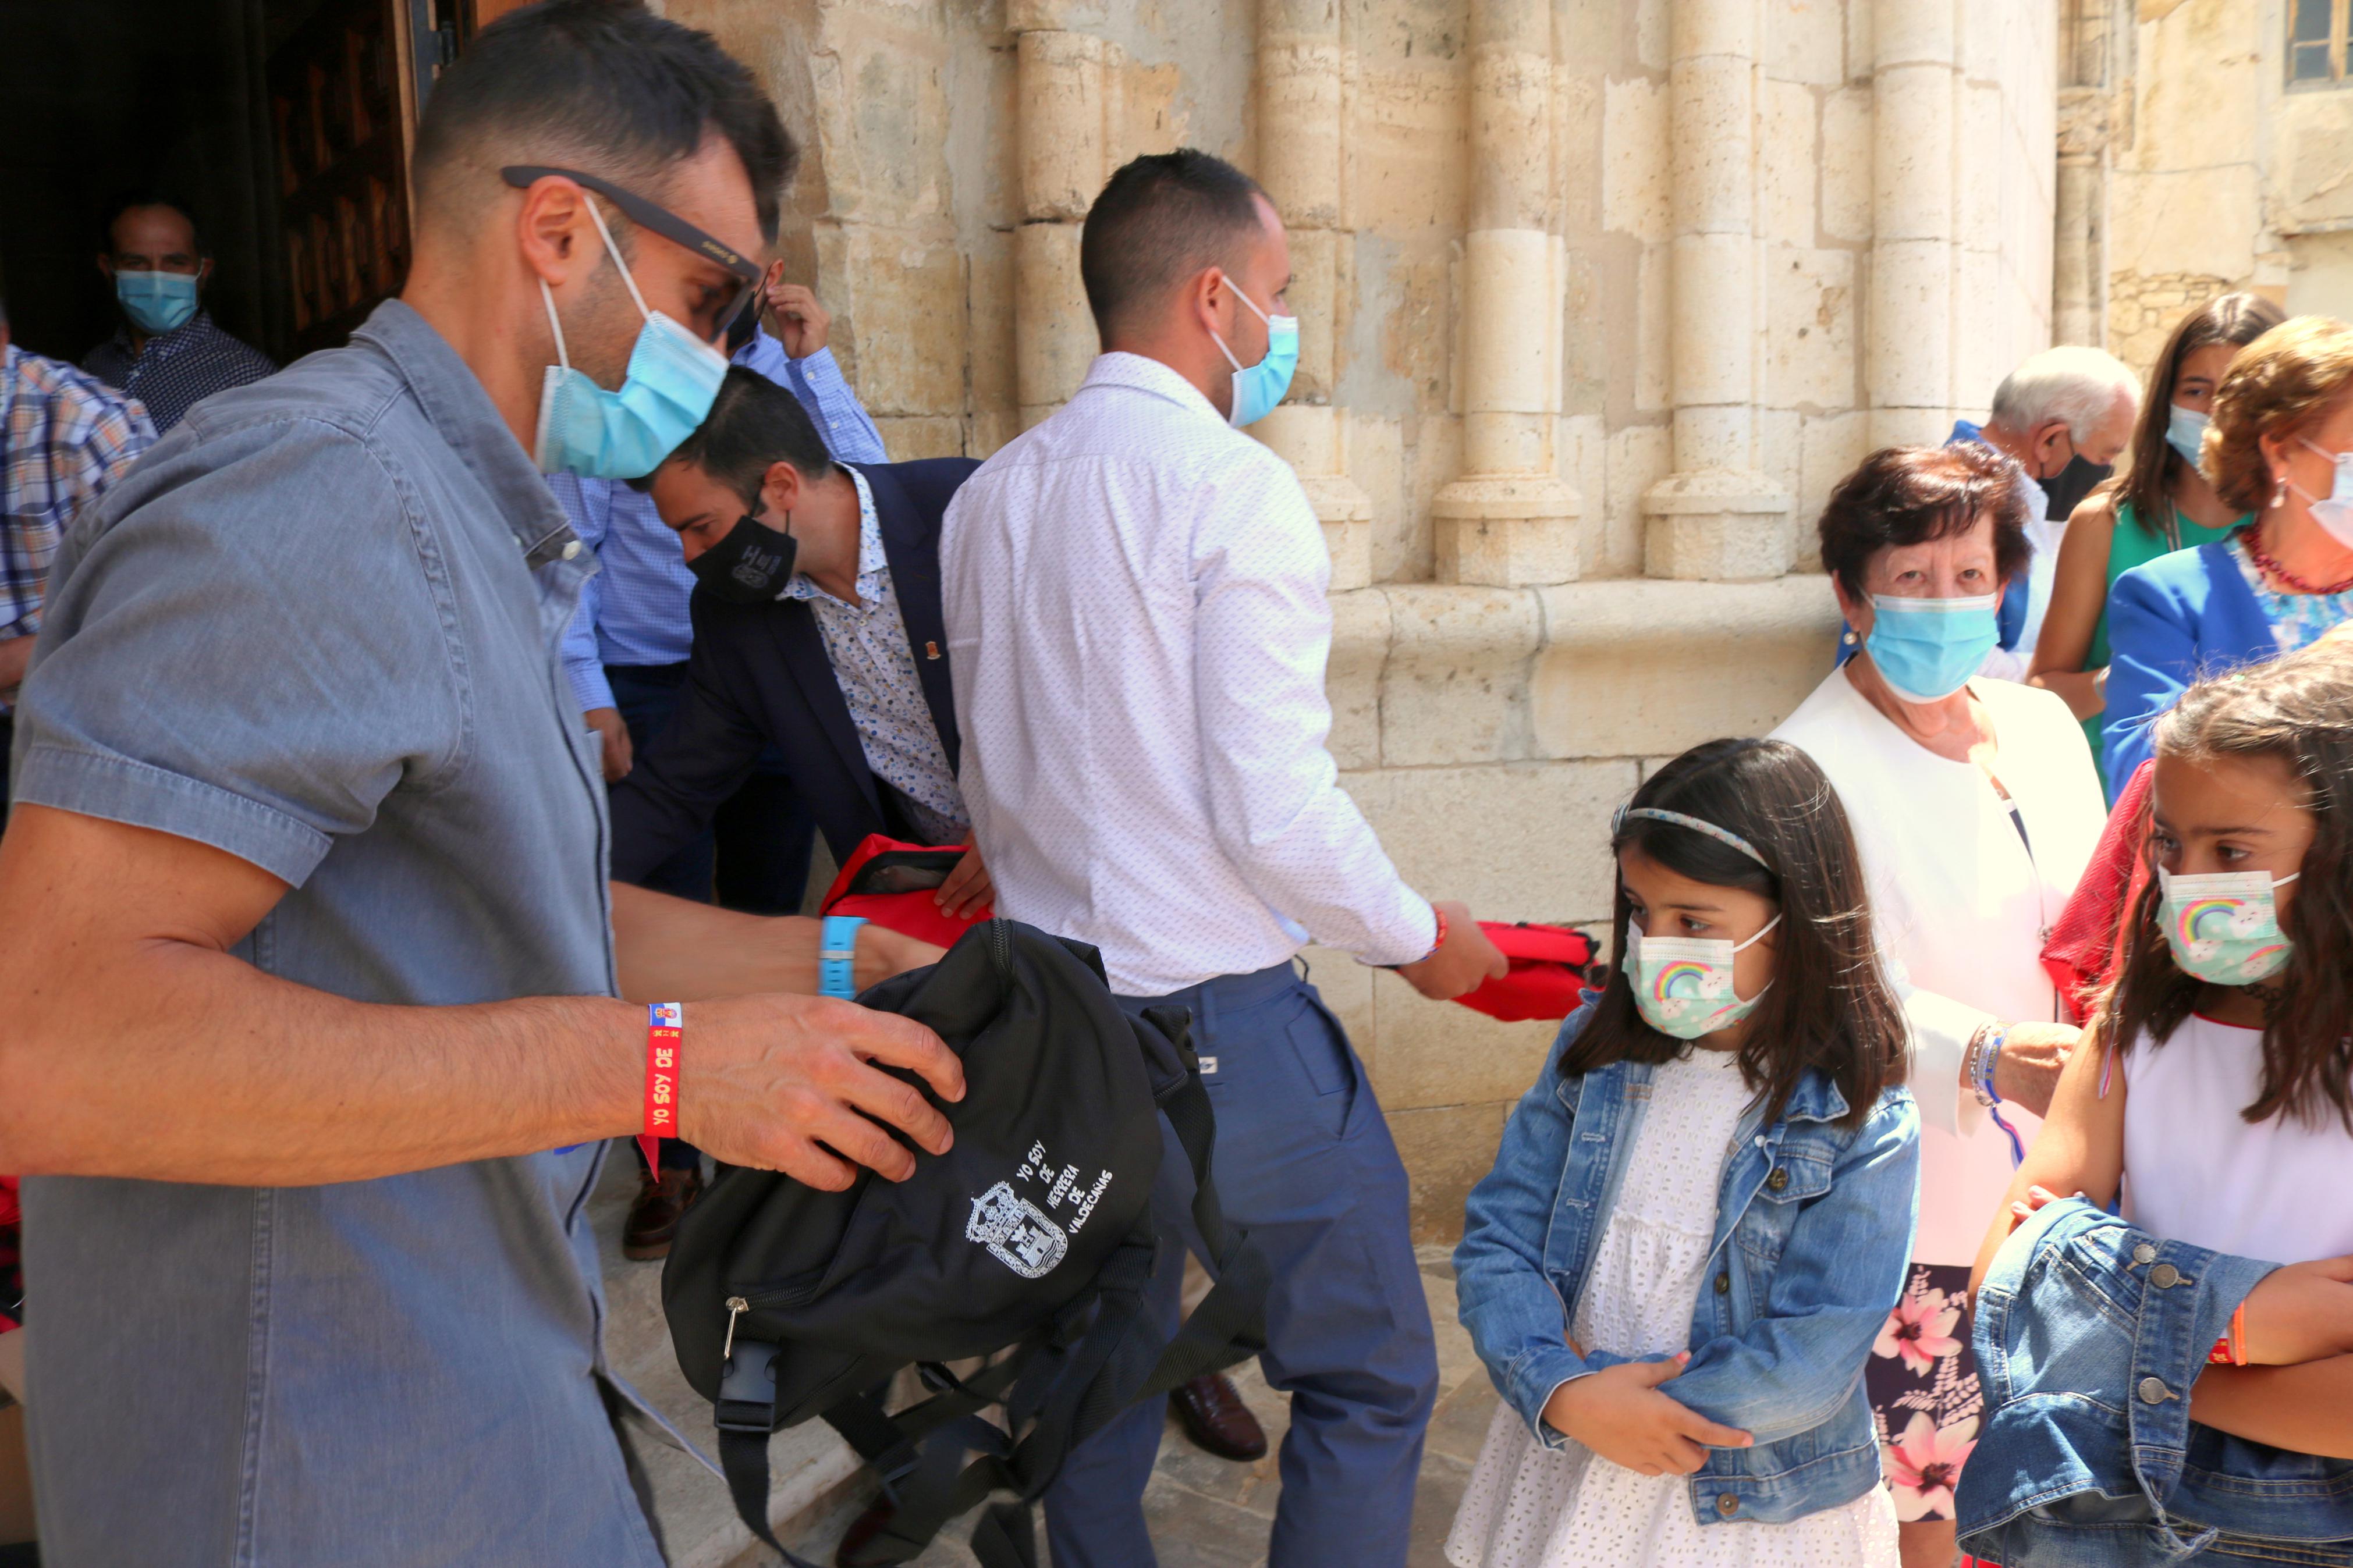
1599	299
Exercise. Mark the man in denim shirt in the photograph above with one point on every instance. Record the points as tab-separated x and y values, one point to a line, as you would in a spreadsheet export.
313	1044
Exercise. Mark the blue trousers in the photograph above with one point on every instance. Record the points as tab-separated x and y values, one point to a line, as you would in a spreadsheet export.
1305	1162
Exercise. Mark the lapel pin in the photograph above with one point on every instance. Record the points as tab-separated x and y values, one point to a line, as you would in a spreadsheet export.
931	650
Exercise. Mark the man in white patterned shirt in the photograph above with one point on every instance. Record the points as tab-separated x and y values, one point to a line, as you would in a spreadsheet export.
1134	598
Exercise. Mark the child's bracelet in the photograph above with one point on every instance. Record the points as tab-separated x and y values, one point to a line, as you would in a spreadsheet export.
2231	1350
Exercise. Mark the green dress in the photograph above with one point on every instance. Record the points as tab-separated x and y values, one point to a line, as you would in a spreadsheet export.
2135	545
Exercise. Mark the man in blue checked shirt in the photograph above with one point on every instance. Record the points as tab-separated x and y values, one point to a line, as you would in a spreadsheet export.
626	656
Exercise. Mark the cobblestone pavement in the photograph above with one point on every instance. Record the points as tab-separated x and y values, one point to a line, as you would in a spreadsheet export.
1212	1513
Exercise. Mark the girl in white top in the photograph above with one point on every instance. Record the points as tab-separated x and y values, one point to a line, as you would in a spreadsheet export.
2215	1090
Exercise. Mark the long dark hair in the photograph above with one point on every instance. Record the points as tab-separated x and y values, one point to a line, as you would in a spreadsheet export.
1828	1005
2147	485
2298	709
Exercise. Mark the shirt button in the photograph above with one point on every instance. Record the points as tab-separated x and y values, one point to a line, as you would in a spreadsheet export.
2143	1253
2154	1391
571	549
1724	1284
2165	1276
1727	1505
1779	1181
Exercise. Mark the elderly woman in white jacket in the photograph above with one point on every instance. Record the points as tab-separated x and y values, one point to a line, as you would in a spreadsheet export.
1975	806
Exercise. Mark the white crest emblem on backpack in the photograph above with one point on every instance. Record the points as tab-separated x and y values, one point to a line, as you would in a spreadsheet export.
1016	1232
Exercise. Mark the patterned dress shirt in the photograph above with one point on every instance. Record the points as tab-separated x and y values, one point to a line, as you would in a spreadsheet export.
179	369
874	665
67	437
1137	633
634	611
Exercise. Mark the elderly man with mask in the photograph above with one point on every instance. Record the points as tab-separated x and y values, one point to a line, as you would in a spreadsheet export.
1137	632
314	1034
2061	405
168	353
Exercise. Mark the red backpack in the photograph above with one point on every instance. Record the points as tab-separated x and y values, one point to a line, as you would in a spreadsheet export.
891	882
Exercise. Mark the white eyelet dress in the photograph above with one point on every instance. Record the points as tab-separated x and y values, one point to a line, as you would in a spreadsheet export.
1530	1507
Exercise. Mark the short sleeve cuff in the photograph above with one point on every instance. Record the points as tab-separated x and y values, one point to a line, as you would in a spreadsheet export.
120	789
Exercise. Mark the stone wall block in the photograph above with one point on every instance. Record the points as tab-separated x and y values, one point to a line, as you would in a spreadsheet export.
1062	151
1635	458
1715	326
1715	144
1511	345
1052	15
1910	362
1912	172
1654	324
1447	1150
1450	1056
1805	41
1637	160
1456	684
1832	446
1352	680
1907	32
1846	164
1809	338
1650	668
1978	198
1056	341
1511	131
1301	124
1715	525
1792	174
1315	300
1703	27
892	282
1558	871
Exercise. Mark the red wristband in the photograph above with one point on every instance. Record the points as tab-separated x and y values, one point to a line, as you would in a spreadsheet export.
2231	1350
665	1028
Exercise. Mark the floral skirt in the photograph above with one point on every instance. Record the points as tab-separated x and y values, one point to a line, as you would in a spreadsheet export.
1923	1383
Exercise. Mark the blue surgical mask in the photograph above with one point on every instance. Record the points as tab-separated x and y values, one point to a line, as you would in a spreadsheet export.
1682	985
157	302
673	378
2185	432
1259	387
1927	649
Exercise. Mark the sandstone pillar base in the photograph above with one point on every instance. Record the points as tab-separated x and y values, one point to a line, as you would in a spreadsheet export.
1506	530
1346	514
1717	525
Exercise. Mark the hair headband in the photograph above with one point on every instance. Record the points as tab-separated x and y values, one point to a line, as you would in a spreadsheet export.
1720	835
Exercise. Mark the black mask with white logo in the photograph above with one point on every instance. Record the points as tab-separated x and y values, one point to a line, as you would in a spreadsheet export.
750	566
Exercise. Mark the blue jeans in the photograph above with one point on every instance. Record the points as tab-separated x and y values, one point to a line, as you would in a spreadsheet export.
1303	1162
2089	1333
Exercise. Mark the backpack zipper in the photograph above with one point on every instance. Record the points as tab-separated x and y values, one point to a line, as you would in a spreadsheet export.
1000	945
736	1308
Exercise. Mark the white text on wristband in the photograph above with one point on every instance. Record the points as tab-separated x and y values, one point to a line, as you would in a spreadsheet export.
665	1029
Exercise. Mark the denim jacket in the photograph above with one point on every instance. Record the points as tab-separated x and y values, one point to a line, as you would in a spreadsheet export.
1814	1238
2088	1334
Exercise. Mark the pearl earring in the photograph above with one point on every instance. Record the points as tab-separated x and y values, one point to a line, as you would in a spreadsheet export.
1849	637
2279	493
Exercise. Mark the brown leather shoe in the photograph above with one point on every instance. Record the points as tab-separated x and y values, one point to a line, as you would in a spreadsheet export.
653	1218
1217	1421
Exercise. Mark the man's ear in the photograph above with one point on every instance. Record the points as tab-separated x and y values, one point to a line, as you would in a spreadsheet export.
551	225
781	487
106	265
204	271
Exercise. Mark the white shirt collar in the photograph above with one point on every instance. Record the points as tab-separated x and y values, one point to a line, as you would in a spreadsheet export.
1120	368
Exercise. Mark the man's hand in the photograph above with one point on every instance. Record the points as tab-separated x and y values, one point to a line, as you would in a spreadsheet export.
967	890
799	323
2027	1071
618	758
1619	1413
786	1083
1463	963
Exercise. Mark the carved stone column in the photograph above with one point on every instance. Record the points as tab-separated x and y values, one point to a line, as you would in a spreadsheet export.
2092	36
1716	516
1915	270
1301	75
1062	84
1510	520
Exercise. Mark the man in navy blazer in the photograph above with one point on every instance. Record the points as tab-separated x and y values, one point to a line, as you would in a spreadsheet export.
817	627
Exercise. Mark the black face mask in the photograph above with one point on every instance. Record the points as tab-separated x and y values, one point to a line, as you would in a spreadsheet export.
750	566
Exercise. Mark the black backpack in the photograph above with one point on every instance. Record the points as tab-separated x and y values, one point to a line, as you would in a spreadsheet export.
1033	1234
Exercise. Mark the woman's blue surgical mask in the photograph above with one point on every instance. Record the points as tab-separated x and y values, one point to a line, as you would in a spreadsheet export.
2185	432
157	302
1683	987
2223	927
672	380
1259	387
1927	649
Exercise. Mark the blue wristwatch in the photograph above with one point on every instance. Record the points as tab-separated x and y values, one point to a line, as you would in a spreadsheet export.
836	966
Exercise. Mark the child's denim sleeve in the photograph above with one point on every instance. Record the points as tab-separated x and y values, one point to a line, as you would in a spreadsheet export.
1517	1321
1841	1272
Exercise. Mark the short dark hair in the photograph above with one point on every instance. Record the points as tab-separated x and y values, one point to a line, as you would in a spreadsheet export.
123	201
1910	495
1829	1006
605	85
1159	220
753	423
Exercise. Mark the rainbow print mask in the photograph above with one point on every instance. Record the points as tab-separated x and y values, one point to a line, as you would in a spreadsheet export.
1683	988
2224	928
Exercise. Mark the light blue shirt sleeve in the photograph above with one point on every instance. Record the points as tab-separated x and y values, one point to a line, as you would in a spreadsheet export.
817	380
590	504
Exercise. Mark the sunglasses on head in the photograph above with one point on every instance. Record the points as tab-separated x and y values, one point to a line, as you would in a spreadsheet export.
662	221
